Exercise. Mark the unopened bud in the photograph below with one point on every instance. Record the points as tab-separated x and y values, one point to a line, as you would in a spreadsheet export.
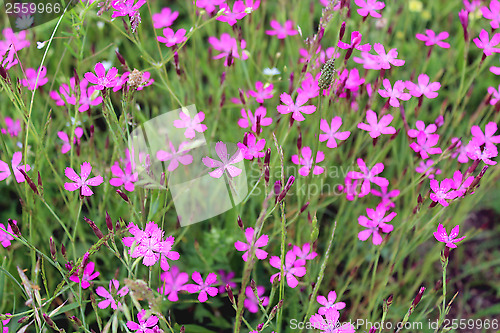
28	180
109	223
52	248
94	227
76	321
342	31
240	223
122	195
14	227
230	293
304	207
418	297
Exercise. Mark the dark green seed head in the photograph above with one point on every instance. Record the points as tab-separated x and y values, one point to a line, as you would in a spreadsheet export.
325	80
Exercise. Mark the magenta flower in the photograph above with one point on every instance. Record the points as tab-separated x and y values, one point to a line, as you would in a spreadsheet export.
203	287
260	242
442	191
171	38
225	163
262	91
354	81
487	44
423	87
309	86
369	7
329	303
226	279
427	168
81	182
144	324
488	138
331	132
253	148
422	129
102	80
460	151
296	108
368	176
191	125
350	188
175	157
31	76
395	93
126	178
430	38
306	160
386	197
126	7
87	97
281	31
473	5
385	60
5	238
64	137
330	324
66	93
450	240
495	94
251	302
232	16
375	127
355	43
476	152
4	324
16	161
87	276
305	252
291	269
111	295
228	45
425	145
165	18
492	13
376	225
208	5
13	127
459	184
173	281
250	119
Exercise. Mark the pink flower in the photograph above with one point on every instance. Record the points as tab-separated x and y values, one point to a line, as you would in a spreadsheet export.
103	80
487	44
66	93
473	5
355	43
231	17
331	132
5	238
86	100
354	81
144	324
423	87
488	138
376	127
421	129
208	5
228	45
492	13
249	118
306	160
385	60
394	94
173	281
425	145
16	161
460	151
87	276
262	91
296	108
226	279
369	7
475	152
171	38
427	168
13	128
329	303
175	156
376	225
442	192
225	163
430	38
203	287
260	242
165	18
191	125
31	78
126	7
64	137
305	252
350	188
368	176
251	302
495	94
281	31
331	324
450	240
127	178
291	269
459	184
386	202
253	148
110	296
309	86
81	182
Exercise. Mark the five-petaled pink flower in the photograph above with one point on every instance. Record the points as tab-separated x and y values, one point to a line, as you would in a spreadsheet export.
426	167
369	7
225	163
331	324
425	145
31	78
291	269
110	296
281	31
203	287
126	7
368	176
82	182
492	13
306	160
260	242
475	151
395	93
165	18
329	303
421	128
175	156
228	45
355	43
64	137
449	240
102	80
5	234
13	127
232	16
171	38
430	38
296	108
376	127
488	45
442	191
173	281
145	325
191	125
251	119
332	132
262	91
305	252
423	87
251	302
377	224
488	138
126	178
385	60
253	148
16	160
459	184
87	276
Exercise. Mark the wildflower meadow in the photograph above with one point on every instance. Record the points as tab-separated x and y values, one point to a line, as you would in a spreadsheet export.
249	166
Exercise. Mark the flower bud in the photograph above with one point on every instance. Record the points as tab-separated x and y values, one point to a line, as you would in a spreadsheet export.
240	223
109	223
123	195
15	228
94	227
417	298
29	181
342	31
230	293
52	248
